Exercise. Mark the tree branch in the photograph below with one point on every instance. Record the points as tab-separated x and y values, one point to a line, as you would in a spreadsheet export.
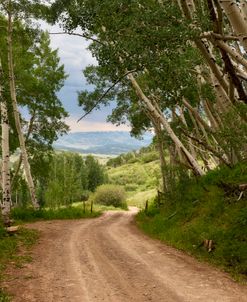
105	93
79	35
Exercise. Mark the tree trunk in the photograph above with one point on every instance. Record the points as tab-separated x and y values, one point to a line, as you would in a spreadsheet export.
232	52
183	120
243	6
158	133
191	160
6	189
213	121
30	128
163	165
237	19
17	115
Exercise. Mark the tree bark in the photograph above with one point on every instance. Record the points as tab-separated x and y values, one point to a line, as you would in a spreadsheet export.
163	165
15	176
17	115
237	19
6	188
191	160
243	7
233	53
213	121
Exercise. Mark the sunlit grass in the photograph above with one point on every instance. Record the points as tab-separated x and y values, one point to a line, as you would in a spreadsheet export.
138	199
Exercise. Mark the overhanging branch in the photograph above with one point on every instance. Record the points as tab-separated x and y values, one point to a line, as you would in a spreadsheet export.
105	93
79	35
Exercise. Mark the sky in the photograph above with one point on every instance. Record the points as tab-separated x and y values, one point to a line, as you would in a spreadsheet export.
75	56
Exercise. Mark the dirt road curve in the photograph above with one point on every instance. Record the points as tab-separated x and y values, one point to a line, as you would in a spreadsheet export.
108	259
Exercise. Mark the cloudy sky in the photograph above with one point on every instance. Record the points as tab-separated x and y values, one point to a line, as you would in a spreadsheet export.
75	57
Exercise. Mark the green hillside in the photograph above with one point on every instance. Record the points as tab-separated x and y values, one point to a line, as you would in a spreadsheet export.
138	173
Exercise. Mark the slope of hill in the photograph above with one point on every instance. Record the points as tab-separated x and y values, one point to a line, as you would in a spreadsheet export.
107	142
139	173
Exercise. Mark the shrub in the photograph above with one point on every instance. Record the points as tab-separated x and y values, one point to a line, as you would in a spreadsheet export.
110	195
149	157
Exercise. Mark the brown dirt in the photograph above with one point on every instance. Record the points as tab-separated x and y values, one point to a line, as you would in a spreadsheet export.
109	259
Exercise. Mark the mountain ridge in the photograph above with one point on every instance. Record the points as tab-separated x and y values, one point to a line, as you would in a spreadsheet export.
101	142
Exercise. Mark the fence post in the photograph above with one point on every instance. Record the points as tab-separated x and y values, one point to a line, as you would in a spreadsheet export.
91	206
146	207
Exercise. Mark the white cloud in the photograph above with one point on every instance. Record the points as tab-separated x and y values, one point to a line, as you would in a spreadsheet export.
87	126
75	56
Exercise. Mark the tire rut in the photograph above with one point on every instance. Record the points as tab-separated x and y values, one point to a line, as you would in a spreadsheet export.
109	259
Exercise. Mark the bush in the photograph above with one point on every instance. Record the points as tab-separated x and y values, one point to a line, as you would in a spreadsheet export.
110	195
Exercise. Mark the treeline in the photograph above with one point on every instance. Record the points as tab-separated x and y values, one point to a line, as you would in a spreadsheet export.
145	155
70	178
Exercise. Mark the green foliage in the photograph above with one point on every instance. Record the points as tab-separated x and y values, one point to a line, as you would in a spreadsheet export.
138	172
96	174
233	134
71	177
149	157
202	210
4	297
29	214
110	195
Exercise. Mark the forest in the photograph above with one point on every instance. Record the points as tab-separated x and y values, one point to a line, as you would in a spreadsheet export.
176	68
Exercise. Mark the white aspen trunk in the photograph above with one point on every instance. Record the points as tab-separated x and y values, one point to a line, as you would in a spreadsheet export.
240	72
223	101
197	115
243	7
215	113
237	19
17	115
163	164
191	160
183	120
213	122
6	187
15	176
232	52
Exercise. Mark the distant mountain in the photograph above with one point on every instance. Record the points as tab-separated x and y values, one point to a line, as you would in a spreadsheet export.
108	143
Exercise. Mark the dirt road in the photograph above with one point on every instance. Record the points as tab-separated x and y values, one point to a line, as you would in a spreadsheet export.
108	259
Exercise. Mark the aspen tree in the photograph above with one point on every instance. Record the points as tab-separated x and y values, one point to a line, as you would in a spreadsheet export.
6	186
12	85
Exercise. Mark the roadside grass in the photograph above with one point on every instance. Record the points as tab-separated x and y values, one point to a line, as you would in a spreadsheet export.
138	199
201	210
26	214
98	208
10	248
74	211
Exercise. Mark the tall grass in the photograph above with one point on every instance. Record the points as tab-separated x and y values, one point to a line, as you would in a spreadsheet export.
202	210
29	214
